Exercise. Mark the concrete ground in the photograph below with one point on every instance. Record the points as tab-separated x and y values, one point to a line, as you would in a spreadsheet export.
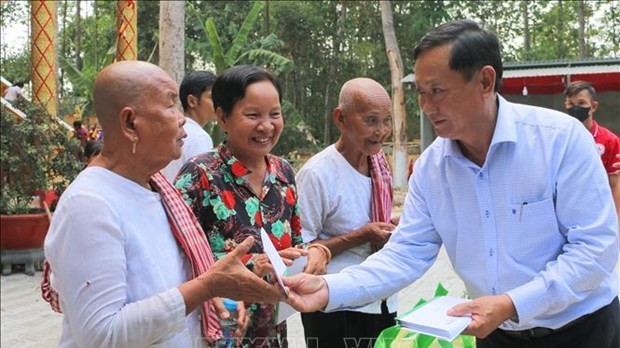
28	322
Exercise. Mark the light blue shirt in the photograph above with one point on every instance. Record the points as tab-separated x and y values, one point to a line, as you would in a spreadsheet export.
536	221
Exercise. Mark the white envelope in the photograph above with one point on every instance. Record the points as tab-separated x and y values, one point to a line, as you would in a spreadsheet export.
276	261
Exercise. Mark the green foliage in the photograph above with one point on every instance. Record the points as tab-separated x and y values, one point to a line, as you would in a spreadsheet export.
219	58
395	336
296	136
17	67
274	34
239	51
148	31
36	155
82	81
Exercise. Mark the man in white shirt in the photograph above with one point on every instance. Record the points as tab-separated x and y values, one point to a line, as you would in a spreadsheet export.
195	95
12	93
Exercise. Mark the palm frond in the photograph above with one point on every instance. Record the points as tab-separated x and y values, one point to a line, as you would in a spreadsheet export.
242	35
278	63
216	46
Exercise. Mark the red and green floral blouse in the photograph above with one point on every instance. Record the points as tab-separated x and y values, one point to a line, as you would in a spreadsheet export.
215	186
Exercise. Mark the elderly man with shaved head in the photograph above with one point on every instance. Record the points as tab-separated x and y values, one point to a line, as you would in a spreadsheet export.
345	198
141	273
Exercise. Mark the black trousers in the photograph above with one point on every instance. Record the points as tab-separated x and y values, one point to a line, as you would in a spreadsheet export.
345	329
600	329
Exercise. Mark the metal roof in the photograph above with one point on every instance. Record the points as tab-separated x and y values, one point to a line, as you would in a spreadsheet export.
566	70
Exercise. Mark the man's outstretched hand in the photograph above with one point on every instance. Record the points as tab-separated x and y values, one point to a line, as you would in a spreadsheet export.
487	313
307	292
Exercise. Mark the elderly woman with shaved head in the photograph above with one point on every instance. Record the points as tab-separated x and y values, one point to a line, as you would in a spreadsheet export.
141	273
345	199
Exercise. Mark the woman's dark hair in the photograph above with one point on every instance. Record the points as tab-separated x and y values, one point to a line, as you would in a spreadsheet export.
195	83
472	48
230	87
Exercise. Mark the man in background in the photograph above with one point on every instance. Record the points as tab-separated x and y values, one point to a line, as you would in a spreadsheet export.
581	102
12	93
195	95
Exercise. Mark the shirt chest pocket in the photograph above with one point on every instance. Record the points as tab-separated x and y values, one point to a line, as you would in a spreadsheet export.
532	232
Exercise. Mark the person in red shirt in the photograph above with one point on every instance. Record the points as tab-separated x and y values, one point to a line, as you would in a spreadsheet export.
581	103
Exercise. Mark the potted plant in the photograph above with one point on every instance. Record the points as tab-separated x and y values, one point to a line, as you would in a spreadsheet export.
37	161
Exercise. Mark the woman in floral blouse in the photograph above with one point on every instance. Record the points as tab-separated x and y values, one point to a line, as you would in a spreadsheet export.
239	187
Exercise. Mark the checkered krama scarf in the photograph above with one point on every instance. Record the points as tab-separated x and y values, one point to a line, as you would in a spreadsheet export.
190	237
382	195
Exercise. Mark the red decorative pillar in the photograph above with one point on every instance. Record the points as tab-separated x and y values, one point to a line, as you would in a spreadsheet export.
127	30
43	54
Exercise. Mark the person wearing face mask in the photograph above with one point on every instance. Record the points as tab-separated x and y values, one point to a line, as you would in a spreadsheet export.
581	103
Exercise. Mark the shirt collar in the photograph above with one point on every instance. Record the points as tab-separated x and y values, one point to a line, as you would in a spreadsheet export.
192	121
239	170
505	130
594	129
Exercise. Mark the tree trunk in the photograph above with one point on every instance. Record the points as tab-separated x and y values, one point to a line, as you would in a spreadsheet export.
527	43
172	38
581	32
333	66
399	153
63	48
78	36
267	29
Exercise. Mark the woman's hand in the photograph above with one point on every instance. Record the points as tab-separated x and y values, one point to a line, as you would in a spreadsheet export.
243	321
317	262
289	255
262	266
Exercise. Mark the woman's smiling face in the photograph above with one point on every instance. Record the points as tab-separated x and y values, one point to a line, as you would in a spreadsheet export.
255	122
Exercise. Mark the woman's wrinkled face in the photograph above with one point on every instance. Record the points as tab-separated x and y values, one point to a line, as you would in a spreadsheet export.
255	122
160	138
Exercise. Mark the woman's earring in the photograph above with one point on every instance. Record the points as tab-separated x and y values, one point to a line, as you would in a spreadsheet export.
134	141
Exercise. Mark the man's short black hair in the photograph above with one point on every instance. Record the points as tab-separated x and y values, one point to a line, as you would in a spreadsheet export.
195	83
577	86
472	48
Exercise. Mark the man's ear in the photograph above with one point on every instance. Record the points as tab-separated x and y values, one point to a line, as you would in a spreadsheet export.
594	106
192	101
487	79
338	117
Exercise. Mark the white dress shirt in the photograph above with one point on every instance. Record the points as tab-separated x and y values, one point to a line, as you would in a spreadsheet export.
536	221
196	142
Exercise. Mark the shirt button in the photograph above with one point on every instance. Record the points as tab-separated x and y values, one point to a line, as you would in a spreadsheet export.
490	252
481	176
487	214
494	291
